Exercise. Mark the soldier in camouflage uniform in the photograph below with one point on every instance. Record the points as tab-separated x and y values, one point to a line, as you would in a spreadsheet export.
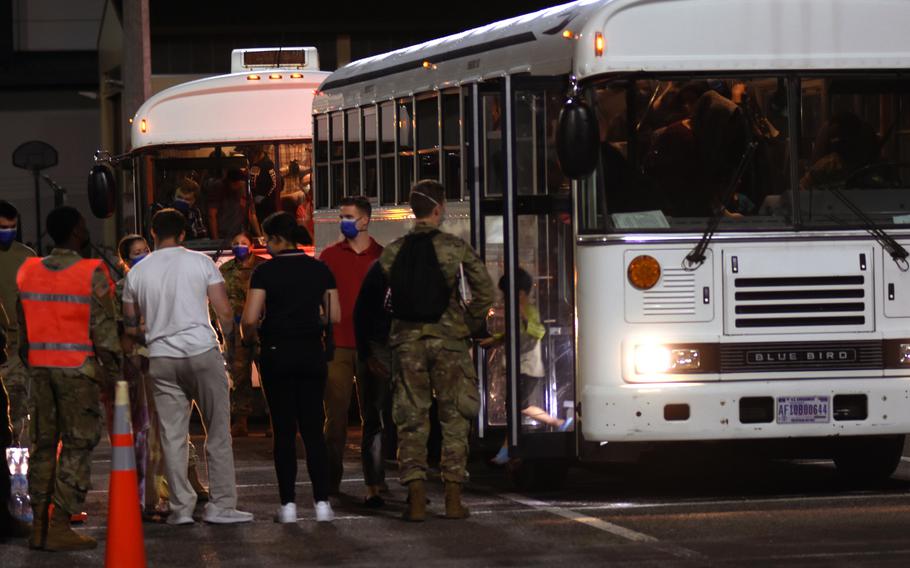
64	402
245	401
15	374
435	358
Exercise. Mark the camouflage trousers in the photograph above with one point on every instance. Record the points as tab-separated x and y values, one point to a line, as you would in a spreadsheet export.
65	406
245	400
16	378
426	367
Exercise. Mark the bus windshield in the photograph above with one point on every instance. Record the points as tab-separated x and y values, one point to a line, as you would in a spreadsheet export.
227	189
671	149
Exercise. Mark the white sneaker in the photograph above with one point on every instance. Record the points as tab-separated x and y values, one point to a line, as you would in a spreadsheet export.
324	512
219	516
286	514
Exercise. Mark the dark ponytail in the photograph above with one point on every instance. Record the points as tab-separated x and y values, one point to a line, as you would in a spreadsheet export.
284	225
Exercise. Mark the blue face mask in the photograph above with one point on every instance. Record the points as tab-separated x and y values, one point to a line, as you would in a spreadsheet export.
349	228
135	260
7	236
241	252
181	205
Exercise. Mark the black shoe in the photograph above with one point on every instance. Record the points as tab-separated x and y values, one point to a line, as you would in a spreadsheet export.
374	502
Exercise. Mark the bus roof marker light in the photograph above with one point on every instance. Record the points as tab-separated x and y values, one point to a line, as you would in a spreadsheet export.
275	76
143	126
599	44
296	75
644	272
569	34
253	77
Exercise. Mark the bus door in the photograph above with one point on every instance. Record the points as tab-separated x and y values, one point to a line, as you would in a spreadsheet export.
488	180
539	288
525	236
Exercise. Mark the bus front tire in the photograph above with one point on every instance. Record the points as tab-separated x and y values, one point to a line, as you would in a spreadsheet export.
868	458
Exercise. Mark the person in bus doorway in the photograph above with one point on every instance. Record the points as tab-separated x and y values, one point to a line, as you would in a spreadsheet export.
14	372
69	350
185	198
245	400
532	373
172	290
372	323
349	260
264	182
297	296
431	338
229	211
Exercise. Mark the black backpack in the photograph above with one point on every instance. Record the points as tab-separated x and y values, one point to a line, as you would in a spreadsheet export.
419	290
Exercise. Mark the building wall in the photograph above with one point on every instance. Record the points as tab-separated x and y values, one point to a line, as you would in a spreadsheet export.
75	134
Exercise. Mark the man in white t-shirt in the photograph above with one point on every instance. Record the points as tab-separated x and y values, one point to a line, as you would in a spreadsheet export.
171	289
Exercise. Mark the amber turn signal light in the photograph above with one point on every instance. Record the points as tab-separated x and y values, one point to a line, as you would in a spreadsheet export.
644	272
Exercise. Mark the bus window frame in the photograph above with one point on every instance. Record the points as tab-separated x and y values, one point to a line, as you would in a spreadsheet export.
374	109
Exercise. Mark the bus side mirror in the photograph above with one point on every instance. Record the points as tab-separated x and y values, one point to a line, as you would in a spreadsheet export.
577	139
102	191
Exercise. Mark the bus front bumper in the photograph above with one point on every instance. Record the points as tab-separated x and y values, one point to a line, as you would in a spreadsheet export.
745	410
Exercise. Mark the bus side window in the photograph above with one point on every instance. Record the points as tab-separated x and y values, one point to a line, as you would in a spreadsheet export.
321	144
405	149
494	164
352	151
387	153
428	138
370	165
337	157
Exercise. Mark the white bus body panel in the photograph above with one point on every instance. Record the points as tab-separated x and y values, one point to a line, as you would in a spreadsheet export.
229	108
618	404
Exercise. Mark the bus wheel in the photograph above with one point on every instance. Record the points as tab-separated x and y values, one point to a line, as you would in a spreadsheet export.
868	458
538	475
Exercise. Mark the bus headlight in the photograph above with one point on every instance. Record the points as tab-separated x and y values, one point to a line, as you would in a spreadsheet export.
659	359
903	354
643	272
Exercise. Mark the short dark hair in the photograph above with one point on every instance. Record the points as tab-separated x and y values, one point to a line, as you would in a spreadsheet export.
125	244
360	202
425	195
523	282
61	222
8	210
284	225
168	224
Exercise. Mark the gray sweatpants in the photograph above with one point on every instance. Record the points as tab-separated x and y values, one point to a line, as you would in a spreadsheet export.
177	383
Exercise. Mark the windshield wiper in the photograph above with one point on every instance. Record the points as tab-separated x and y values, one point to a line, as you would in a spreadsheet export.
696	256
898	253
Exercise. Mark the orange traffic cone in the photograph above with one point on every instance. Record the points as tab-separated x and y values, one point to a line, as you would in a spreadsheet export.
125	545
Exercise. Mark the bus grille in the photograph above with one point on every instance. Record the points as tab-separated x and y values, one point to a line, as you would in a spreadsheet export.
802	301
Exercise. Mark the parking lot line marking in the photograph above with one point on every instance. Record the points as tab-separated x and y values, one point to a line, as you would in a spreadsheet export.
603	525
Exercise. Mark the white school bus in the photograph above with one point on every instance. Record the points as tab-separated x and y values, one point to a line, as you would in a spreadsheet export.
241	142
710	197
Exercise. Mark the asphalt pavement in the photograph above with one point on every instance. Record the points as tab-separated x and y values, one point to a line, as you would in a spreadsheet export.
685	513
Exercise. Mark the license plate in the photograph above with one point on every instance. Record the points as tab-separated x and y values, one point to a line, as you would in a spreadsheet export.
803	410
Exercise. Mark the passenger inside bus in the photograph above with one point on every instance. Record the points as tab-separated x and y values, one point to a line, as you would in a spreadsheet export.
264	181
229	210
678	148
846	153
185	199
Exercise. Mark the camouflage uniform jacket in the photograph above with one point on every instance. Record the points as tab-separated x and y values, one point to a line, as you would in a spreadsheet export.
237	281
103	317
458	321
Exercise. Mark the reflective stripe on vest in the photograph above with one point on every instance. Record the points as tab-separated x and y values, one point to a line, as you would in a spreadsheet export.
57	307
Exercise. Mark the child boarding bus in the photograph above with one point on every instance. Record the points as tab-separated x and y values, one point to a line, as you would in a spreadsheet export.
724	263
228	150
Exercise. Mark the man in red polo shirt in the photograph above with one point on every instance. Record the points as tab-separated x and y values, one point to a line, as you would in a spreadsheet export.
349	260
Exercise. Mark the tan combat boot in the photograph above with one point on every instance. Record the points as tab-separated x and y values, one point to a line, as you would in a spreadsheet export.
62	538
39	527
454	507
417	502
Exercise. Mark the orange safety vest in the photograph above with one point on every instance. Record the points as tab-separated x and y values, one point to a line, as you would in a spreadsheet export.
58	310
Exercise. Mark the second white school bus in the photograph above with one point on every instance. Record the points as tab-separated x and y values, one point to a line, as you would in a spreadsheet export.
730	269
242	139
